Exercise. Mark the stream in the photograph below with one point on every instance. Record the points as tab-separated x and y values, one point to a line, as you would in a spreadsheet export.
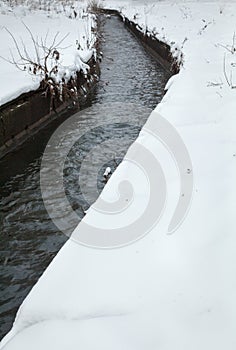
131	77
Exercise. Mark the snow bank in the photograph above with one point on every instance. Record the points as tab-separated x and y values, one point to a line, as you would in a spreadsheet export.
43	25
163	292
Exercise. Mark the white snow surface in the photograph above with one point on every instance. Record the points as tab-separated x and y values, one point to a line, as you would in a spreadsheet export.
43	25
107	171
164	291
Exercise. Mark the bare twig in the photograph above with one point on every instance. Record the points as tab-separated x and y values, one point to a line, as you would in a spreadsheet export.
34	42
225	74
39	66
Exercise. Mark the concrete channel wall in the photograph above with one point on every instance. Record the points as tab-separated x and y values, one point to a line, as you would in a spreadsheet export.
27	114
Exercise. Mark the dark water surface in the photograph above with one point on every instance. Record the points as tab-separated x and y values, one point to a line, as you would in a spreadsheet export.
29	239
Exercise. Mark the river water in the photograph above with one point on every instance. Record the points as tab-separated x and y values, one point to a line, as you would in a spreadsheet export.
132	81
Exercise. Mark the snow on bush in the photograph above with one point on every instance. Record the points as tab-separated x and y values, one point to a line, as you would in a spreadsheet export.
44	43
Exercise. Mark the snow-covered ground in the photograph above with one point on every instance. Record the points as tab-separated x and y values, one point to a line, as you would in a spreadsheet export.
55	19
164	291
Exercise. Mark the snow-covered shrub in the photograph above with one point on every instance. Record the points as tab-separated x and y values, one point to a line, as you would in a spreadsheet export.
44	61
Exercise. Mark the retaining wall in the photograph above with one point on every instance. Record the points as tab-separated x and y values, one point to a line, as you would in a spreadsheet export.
27	114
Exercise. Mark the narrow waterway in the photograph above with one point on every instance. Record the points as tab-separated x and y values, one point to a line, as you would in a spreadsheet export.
29	240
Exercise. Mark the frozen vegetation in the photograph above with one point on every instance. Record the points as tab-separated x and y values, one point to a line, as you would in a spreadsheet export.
164	291
62	31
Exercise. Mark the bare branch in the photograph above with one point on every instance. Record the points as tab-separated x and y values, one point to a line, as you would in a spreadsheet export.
54	40
15	42
56	45
233	49
34	42
225	74
45	39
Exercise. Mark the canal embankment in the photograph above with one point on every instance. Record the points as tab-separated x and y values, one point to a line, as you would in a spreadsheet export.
30	112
